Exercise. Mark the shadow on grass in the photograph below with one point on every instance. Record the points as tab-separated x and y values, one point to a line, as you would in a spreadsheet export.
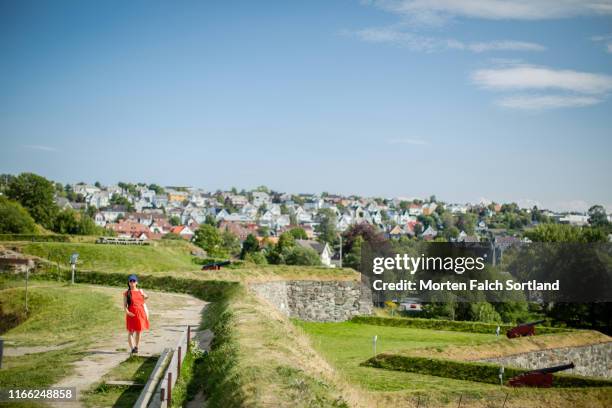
134	368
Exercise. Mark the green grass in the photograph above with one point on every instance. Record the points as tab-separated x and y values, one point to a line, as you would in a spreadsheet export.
161	257
346	345
58	314
134	368
171	258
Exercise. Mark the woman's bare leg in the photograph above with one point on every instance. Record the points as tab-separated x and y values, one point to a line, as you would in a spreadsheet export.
130	340
137	338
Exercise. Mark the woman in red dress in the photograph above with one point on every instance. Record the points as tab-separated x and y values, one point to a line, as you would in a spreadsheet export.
136	319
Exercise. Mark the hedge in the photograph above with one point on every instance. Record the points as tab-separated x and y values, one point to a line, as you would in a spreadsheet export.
35	238
470	371
450	325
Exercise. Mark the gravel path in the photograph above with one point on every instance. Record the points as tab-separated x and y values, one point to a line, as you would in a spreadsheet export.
170	313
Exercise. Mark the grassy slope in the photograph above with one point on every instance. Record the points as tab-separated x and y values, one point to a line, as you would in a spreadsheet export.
505	347
346	345
170	258
59	314
274	363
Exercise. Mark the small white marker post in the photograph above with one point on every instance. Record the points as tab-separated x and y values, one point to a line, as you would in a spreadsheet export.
73	261
501	375
374	340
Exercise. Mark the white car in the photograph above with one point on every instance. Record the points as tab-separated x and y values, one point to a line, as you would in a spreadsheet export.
410	305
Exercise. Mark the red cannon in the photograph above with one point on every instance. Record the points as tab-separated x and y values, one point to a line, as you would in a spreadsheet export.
525	329
542	377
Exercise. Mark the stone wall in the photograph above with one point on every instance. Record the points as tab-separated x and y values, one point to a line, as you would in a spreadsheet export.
319	301
594	360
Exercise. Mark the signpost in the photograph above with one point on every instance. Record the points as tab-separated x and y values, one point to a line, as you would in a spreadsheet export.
73	261
26	288
374	340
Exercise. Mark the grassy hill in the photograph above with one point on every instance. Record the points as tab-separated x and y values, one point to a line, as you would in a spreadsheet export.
162	257
169	258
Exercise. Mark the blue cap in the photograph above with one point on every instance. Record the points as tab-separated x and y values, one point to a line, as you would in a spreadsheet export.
133	277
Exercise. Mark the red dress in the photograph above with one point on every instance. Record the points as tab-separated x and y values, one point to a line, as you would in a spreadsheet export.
139	321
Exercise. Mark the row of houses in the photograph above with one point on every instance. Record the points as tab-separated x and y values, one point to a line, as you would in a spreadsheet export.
181	210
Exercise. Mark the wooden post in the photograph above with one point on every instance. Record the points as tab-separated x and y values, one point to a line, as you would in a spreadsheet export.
188	336
169	403
178	363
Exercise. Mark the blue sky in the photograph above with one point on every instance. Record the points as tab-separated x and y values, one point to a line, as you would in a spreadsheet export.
465	99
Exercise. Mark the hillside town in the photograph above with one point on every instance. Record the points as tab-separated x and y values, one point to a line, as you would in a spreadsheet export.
151	212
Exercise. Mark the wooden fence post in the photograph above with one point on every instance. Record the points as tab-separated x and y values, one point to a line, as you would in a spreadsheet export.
188	336
169	403
178	363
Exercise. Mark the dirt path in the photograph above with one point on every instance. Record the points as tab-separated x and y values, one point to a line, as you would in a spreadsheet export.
170	313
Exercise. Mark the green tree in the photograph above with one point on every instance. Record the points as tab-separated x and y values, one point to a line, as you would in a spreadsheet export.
598	216
207	237
66	222
14	219
286	241
302	256
159	190
452	232
298	233
565	233
210	220
36	194
230	243
5	180
87	226
249	246
175	220
466	222
327	226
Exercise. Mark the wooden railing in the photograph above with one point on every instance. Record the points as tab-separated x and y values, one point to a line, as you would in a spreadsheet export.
157	392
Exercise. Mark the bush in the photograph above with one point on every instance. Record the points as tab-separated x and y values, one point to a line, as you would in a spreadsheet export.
451	325
14	219
256	258
461	370
302	256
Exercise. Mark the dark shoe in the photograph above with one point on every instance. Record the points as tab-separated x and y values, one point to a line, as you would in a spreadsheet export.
134	350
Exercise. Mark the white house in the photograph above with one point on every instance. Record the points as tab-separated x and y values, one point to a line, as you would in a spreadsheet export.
323	249
260	198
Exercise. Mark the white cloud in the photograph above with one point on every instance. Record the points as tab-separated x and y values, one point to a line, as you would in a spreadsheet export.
439	11
541	102
542	78
505	46
407	141
41	147
539	88
414	42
